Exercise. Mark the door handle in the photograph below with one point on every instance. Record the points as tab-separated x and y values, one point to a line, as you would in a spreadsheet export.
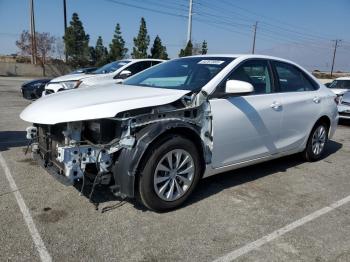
276	106
316	100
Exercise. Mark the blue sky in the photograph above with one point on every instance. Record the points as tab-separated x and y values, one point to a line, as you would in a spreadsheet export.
299	30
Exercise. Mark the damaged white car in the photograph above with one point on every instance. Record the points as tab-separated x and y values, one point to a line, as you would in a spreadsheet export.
165	128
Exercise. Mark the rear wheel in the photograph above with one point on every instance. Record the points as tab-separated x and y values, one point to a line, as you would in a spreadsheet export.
170	173
316	143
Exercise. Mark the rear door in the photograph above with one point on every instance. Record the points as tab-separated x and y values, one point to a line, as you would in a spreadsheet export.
246	127
301	104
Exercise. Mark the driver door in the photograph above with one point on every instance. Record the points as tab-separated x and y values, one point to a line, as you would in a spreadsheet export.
247	127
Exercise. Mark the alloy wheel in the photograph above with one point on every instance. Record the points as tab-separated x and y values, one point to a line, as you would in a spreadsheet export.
174	175
318	140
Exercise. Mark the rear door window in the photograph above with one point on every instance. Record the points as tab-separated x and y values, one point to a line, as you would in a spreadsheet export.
292	79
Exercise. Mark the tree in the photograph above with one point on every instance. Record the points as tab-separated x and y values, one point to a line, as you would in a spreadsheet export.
117	48
204	47
187	51
141	42
101	52
24	43
77	43
158	50
44	45
92	55
196	49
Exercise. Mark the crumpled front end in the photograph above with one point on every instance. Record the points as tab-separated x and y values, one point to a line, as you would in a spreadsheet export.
111	149
72	149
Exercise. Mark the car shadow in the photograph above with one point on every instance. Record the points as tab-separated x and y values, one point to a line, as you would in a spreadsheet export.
10	139
106	201
344	122
215	184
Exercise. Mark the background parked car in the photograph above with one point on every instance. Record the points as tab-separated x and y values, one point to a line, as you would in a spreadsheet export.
344	106
111	73
340	85
33	89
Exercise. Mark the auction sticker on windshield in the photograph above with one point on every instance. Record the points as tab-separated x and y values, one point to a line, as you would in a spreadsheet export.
211	62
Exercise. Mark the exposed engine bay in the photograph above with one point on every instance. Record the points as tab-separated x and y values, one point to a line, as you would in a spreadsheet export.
112	148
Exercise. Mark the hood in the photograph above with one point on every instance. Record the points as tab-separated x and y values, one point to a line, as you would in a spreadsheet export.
96	102
71	77
30	84
339	91
98	78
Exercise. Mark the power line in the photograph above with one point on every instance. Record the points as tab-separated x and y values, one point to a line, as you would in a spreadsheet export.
171	6
274	19
283	29
147	9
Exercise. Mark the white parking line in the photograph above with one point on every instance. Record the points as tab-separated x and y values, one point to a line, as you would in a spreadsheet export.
279	232
44	255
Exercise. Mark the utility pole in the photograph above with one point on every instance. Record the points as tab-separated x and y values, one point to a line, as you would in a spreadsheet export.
337	41
189	29
32	32
254	38
65	25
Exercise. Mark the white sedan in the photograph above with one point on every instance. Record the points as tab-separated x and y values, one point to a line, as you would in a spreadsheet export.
114	72
340	85
165	128
344	106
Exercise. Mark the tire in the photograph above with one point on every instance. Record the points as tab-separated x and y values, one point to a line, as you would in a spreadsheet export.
311	153
157	175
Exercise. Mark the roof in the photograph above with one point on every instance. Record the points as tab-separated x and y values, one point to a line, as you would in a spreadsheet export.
248	56
142	59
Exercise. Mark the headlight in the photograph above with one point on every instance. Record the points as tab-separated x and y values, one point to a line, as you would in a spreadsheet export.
70	84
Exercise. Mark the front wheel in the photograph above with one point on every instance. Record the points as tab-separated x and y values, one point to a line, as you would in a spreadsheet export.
171	172
316	142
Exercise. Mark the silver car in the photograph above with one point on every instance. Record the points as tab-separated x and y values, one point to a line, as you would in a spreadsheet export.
165	128
344	106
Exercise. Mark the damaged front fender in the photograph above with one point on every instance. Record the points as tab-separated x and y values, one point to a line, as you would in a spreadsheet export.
131	159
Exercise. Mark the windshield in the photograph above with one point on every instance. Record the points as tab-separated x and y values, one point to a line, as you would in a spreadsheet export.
342	84
184	73
111	67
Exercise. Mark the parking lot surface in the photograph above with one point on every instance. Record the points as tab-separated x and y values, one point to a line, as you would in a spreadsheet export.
227	212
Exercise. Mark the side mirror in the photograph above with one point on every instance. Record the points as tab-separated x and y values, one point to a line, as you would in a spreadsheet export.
124	74
238	87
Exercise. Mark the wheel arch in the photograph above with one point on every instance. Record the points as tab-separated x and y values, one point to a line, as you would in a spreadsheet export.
184	131
324	119
131	160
